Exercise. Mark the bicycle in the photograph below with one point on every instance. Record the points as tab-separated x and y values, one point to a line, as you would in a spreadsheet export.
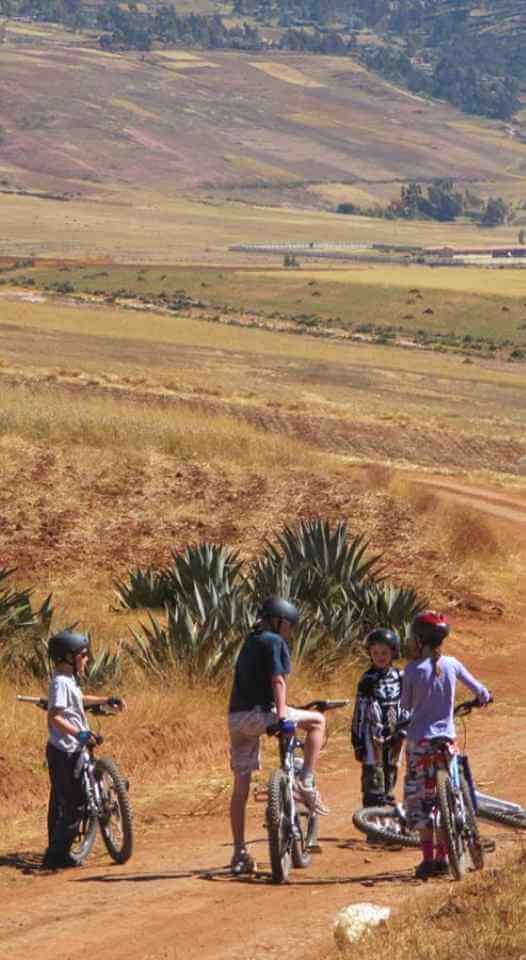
106	799
292	829
457	806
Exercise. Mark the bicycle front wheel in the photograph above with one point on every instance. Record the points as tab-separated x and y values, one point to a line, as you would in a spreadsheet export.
473	838
116	822
498	814
83	843
279	825
384	825
451	829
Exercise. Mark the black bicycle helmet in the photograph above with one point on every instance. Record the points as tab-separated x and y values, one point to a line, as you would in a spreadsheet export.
430	628
67	643
281	609
386	636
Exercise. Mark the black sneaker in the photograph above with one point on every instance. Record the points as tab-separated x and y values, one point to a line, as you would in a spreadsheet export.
425	870
441	868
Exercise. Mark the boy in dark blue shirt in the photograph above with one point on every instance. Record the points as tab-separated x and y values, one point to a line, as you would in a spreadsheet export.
258	700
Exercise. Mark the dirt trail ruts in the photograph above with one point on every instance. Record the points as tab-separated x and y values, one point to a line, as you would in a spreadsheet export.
504	506
175	898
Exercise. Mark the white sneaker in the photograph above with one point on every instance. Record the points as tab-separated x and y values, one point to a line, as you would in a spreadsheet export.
307	794
241	863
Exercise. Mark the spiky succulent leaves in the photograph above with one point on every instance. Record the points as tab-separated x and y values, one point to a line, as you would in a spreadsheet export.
321	559
105	667
148	588
23	630
384	605
202	566
151	649
15	605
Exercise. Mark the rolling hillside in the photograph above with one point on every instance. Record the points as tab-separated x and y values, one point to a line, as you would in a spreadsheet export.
77	120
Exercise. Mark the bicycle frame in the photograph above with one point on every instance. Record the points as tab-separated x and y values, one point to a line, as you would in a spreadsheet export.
288	744
85	772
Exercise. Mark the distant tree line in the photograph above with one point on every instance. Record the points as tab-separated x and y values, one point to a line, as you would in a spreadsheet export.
469	55
131	28
438	201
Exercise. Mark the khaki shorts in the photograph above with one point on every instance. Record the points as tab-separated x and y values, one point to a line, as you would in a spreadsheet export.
246	728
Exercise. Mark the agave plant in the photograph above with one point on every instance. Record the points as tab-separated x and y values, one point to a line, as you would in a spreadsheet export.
209	566
15	605
320	560
384	605
198	648
23	630
105	667
145	588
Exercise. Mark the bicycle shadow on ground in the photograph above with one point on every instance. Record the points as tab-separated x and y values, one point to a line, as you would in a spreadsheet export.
264	877
26	861
202	874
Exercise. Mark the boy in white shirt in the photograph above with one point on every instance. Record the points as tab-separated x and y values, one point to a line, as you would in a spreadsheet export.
68	733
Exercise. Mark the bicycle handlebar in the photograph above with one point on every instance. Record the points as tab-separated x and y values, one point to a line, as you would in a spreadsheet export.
323	705
97	709
465	708
320	705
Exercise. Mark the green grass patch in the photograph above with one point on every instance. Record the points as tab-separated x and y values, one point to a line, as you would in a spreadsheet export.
364	299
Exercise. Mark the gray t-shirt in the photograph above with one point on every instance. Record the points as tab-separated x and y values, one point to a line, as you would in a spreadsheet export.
65	694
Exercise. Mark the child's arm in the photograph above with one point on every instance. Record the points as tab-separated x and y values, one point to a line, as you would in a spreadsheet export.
115	702
279	689
406	699
59	722
357	724
469	681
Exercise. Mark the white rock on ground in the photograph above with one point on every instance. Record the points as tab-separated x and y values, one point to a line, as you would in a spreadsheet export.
352	922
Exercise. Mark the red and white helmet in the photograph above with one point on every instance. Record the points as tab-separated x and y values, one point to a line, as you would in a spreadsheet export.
430	628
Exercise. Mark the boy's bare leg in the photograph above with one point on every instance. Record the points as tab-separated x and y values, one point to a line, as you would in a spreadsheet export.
315	730
238	805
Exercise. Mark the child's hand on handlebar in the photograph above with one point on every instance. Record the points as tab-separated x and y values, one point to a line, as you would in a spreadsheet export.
286	726
86	738
116	703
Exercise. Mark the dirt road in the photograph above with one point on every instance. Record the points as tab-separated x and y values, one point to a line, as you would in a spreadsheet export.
175	899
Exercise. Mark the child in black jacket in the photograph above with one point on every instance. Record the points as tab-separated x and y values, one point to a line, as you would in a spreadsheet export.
379	724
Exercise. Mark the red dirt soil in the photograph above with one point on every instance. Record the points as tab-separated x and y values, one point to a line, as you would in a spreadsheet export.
175	898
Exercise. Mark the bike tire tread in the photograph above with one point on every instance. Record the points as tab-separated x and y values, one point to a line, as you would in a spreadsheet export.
456	861
362	821
122	854
278	860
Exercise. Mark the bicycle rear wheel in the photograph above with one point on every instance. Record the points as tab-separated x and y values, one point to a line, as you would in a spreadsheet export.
116	822
384	824
473	838
448	808
279	825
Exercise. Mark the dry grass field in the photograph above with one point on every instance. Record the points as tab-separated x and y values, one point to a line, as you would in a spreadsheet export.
369	392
